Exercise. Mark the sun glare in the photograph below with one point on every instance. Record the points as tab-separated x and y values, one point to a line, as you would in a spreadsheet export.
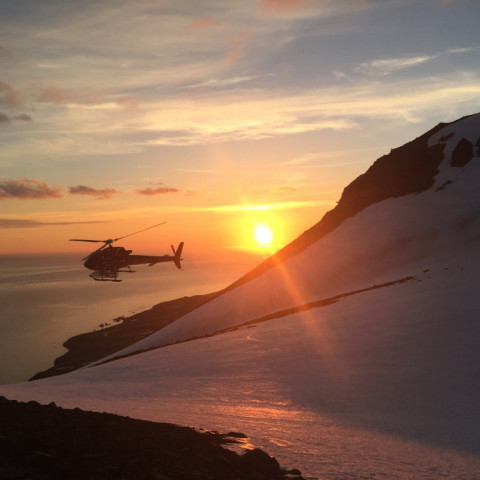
263	235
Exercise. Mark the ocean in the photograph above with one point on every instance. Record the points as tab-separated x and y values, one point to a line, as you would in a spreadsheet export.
46	299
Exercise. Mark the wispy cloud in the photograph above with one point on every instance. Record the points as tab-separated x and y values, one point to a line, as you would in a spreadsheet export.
286	6
8	119
128	102
240	115
282	189
99	193
261	115
181	78
23	117
157	191
200	23
226	81
324	159
27	223
27	189
389	65
262	207
238	44
62	96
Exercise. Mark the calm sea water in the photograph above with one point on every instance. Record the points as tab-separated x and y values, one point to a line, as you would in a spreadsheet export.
47	299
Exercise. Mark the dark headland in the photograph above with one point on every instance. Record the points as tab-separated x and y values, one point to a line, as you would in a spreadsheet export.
44	442
92	346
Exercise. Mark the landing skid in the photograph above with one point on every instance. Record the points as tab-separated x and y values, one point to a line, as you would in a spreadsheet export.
109	275
105	276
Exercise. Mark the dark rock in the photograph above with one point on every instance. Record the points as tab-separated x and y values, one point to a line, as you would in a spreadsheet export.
294	472
444	185
462	153
236	435
444	138
260	461
54	443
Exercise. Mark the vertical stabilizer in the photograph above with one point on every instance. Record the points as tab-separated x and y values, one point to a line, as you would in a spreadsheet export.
178	254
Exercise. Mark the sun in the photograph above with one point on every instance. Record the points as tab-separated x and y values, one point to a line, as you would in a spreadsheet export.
263	235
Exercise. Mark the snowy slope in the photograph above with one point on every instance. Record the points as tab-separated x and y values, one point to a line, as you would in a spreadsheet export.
380	384
386	241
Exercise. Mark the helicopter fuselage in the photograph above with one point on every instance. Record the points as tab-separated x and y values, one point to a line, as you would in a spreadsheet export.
112	259
107	261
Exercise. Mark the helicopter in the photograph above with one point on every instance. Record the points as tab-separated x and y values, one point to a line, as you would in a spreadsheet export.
108	261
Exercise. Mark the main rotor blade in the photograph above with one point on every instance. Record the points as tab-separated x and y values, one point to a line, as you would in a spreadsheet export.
82	240
134	233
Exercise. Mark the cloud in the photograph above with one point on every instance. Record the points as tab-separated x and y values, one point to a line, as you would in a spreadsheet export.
7	120
389	65
128	102
157	191
226	82
264	207
238	45
9	97
61	96
201	23
24	223
27	189
100	194
285	6
282	189
23	117
254	119
4	119
238	103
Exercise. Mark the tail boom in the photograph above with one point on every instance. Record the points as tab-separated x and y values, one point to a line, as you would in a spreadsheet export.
152	260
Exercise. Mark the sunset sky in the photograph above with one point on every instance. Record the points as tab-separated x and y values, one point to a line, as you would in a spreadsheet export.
214	116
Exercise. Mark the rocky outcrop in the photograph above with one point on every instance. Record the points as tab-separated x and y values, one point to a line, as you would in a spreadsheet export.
47	442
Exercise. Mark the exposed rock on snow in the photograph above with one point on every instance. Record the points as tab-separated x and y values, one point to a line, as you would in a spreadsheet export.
462	153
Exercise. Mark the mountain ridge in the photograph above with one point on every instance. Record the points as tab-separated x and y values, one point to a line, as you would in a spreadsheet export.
356	197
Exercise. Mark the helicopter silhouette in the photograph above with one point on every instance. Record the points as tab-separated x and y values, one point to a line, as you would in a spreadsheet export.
108	261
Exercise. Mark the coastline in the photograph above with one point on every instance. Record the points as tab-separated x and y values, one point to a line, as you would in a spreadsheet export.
92	346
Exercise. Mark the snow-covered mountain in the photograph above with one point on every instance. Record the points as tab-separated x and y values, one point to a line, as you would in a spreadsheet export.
413	207
353	352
